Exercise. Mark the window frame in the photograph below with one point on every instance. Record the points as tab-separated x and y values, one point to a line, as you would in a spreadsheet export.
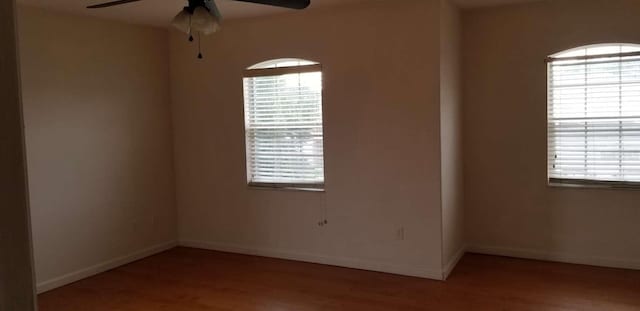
582	183
272	68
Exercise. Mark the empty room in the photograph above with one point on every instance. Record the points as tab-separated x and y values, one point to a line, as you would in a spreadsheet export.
319	155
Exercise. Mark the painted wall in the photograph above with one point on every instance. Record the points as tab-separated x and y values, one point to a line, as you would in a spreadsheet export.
16	273
98	138
510	209
382	139
451	136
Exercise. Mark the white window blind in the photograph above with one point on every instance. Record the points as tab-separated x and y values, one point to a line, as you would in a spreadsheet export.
594	115
283	124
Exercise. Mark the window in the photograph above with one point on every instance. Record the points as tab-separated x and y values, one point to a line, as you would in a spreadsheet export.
283	124
594	115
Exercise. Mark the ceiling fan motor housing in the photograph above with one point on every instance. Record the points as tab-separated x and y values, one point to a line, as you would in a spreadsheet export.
193	4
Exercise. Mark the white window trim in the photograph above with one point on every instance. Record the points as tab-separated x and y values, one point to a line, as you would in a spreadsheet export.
584	183
272	68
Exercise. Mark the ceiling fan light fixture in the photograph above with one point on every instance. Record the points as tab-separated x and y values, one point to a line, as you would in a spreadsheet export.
203	21
182	22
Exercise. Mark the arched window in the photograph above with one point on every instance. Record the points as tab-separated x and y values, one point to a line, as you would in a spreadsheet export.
594	115
283	124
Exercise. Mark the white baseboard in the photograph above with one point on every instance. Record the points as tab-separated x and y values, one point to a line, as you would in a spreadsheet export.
319	259
453	262
556	256
102	267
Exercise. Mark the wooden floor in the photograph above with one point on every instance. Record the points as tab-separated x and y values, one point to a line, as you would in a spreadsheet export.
185	279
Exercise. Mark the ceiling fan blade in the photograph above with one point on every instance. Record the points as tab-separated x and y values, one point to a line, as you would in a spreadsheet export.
291	4
112	3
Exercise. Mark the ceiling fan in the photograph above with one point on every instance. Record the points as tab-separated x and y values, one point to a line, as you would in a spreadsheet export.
203	16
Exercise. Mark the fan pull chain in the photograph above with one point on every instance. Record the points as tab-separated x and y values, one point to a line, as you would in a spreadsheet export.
199	45
190	35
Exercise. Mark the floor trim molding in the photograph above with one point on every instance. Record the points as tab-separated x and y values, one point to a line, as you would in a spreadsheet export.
453	262
102	267
319	259
555	257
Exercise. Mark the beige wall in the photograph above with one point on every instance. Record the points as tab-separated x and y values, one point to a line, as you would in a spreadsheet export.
16	276
509	207
382	134
451	136
98	138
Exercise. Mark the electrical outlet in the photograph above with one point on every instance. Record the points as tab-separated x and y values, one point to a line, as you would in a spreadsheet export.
400	234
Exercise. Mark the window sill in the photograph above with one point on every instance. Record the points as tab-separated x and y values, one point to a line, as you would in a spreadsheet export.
297	188
590	184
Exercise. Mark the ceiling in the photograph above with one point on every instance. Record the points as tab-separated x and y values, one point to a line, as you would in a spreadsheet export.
160	12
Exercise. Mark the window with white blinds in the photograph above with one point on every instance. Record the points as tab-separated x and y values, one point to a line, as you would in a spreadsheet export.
283	124
594	115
